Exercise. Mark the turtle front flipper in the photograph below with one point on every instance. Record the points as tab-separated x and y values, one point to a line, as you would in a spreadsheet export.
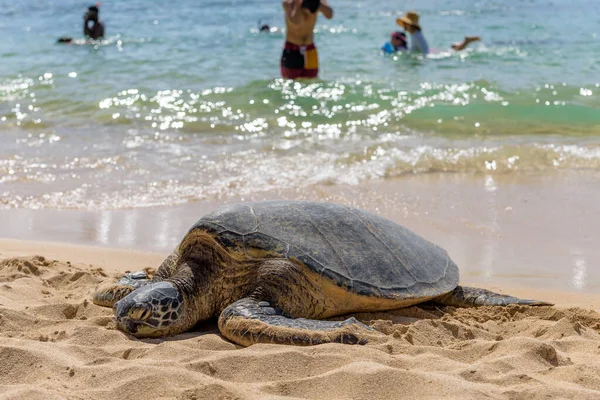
249	321
107	296
464	296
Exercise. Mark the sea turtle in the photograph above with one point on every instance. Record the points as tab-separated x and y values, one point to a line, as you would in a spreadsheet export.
271	271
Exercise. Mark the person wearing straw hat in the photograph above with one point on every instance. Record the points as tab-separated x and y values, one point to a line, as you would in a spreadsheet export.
410	22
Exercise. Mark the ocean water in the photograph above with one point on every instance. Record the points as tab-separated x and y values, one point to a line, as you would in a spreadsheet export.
183	101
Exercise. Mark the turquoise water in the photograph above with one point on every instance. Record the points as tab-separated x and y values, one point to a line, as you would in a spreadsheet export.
183	101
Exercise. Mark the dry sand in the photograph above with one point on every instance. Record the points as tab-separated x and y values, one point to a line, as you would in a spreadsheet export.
56	344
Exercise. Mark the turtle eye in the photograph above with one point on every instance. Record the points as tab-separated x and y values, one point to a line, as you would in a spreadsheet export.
140	312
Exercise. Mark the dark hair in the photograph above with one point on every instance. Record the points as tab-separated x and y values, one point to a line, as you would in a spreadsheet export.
311	5
94	9
399	35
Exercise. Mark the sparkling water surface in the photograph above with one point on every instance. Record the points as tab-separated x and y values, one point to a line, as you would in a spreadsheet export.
183	101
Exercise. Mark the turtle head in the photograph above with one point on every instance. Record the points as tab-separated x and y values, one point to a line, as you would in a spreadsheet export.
154	310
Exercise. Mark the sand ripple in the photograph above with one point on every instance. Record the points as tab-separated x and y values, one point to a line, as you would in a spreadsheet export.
57	344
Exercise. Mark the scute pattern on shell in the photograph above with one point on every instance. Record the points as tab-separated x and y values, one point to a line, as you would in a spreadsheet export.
357	250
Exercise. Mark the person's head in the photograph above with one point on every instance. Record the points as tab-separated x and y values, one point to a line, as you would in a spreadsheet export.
92	13
409	21
265	28
398	39
311	5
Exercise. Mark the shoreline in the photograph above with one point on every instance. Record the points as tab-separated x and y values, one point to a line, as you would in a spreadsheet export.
529	230
118	261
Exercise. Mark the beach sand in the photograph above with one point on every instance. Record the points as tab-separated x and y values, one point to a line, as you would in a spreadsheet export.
57	344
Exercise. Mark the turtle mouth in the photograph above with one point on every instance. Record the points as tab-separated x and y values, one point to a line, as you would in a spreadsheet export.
139	328
128	326
136	319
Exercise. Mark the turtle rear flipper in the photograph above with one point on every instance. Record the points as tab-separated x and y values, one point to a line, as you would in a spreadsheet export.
109	295
249	321
464	296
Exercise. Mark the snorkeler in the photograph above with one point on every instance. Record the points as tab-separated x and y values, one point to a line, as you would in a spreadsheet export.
397	43
97	29
300	58
410	22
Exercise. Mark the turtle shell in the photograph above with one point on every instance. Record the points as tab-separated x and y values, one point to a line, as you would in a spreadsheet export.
362	252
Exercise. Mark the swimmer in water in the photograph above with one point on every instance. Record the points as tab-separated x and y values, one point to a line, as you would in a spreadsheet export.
410	22
466	41
96	31
397	43
300	58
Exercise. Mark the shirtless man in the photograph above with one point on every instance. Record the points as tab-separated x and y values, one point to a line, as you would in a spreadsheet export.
96	31
300	58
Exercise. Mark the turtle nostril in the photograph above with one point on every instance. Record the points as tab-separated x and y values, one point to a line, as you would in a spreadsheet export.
140	312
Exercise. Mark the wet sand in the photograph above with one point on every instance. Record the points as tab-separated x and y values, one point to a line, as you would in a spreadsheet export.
530	230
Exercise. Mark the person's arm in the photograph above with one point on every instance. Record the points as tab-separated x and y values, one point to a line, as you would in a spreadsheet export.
465	42
326	9
291	11
86	29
